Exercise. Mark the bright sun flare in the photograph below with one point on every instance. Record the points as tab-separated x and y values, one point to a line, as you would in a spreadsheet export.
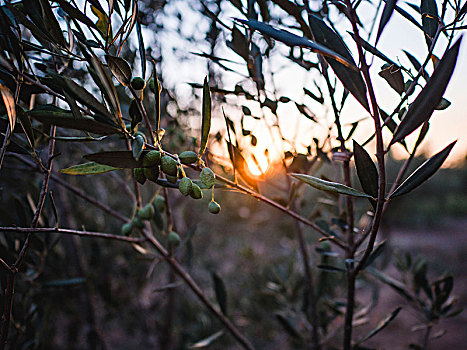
258	168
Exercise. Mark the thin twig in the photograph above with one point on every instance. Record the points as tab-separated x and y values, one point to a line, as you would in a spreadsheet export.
73	232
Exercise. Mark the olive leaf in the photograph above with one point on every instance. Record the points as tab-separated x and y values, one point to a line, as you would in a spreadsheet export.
387	13
206	117
50	114
430	18
416	64
350	78
221	292
75	13
294	40
424	172
119	68
366	170
381	325
206	341
430	96
10	105
329	186
51	23
90	168
371	49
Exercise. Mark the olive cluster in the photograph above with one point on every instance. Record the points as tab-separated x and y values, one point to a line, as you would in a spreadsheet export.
154	162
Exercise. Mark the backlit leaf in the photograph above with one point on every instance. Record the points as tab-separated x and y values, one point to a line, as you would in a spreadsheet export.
206	117
350	78
329	186
430	96
90	168
51	23
10	105
430	19
366	170
295	40
49	114
423	173
119	68
387	13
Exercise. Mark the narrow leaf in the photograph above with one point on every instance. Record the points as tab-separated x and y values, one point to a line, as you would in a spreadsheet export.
417	65
371	49
206	341
221	292
429	98
49	114
387	13
406	15
430	19
350	78
423	173
206	117
119	68
329	186
142	50
75	13
120	159
366	170
51	23
295	40
90	168
10	105
381	325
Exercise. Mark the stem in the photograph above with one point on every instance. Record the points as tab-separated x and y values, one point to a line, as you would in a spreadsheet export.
427	336
353	271
72	232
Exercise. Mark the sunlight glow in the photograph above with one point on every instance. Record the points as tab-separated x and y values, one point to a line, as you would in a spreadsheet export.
258	165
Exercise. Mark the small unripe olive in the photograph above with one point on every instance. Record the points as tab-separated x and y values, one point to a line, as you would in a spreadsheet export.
152	173
174	238
214	207
137	83
196	192
207	177
188	157
137	222
185	186
151	158
139	175
169	166
159	204
126	229
147	212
